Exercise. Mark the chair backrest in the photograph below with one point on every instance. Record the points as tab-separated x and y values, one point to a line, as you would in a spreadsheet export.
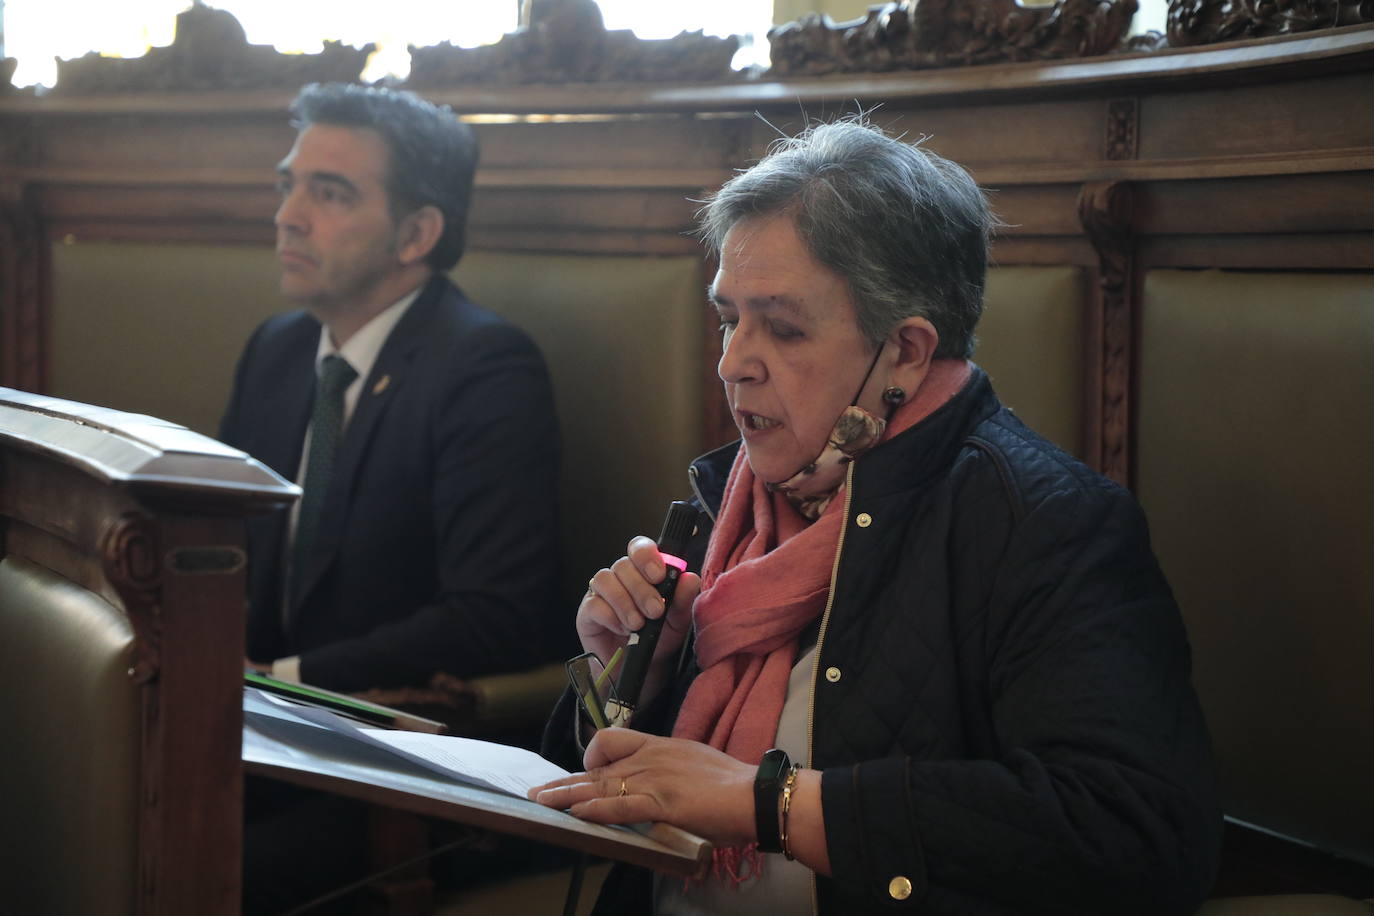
1254	470
623	340
121	653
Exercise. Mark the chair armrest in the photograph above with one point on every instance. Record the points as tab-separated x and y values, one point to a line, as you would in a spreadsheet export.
511	707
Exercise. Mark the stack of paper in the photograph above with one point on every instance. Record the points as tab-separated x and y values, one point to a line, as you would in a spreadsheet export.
275	726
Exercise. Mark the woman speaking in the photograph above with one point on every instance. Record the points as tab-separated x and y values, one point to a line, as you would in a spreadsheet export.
930	663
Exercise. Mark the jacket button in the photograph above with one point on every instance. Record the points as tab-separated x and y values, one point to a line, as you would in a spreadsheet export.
832	674
864	519
899	888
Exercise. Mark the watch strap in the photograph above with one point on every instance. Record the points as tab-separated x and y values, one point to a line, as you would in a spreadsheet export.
768	783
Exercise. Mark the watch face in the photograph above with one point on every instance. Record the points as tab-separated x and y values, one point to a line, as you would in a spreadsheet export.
773	767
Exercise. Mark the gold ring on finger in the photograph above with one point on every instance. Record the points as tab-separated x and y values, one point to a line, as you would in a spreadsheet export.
623	788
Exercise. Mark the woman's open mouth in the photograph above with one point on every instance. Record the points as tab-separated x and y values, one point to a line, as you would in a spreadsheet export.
753	421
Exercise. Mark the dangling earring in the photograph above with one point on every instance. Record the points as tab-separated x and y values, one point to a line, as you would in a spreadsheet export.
893	395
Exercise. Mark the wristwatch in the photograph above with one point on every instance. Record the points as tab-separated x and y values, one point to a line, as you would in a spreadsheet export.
768	784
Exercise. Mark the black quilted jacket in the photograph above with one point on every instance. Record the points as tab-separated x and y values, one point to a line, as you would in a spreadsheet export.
1002	706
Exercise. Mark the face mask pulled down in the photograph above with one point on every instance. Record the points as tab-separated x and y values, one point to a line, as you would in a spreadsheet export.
812	488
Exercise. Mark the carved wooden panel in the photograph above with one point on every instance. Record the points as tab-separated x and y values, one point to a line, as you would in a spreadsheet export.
566	41
1106	209
1198	22
210	51
132	561
916	34
1122	129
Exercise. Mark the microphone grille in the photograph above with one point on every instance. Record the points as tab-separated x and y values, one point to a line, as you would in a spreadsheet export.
678	528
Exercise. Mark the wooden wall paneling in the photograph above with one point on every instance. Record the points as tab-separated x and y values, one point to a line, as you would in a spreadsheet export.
24	288
1284	251
1209	139
1033	210
1074	250
586	178
217	232
1326	204
1275	118
578	240
624	142
975	133
215	205
155	143
652	210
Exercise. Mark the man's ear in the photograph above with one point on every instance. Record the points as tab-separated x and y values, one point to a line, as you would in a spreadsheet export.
916	341
418	233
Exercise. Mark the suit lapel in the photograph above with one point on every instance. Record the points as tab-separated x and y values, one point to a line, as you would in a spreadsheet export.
380	388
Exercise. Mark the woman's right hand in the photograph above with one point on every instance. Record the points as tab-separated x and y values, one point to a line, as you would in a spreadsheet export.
620	599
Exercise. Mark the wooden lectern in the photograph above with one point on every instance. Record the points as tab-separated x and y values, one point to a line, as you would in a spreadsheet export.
121	656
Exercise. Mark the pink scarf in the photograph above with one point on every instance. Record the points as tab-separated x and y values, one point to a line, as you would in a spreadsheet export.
765	578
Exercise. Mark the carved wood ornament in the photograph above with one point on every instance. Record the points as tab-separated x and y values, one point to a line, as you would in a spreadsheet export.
1200	22
131	556
1106	210
1122	122
567	41
919	34
210	51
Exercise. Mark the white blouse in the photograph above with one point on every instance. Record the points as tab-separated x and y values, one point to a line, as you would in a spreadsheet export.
783	886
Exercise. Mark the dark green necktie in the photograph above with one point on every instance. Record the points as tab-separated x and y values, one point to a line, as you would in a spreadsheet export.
326	427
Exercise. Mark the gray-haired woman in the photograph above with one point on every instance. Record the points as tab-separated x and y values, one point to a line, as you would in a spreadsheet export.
957	631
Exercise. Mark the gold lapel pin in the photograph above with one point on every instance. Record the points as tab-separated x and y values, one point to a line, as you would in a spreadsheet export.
381	385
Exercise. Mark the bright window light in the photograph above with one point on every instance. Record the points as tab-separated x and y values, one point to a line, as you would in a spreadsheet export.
37	31
1152	15
750	19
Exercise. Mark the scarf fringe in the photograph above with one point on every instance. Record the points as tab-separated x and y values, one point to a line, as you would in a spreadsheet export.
733	864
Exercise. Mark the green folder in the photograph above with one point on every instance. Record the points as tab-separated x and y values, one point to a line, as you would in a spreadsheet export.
343	704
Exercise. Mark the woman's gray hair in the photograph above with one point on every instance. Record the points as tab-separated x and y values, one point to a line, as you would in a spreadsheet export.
906	229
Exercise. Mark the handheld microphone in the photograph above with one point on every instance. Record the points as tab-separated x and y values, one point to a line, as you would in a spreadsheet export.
639	651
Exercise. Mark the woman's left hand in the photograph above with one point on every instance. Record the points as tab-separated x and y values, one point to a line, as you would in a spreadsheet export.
633	777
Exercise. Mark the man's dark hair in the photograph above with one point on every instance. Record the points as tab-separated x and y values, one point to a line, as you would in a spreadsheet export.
432	154
907	230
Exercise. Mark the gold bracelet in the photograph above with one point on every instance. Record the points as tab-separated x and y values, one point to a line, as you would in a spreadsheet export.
786	809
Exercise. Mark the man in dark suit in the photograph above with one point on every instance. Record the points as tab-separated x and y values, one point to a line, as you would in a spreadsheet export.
422	430
420	426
